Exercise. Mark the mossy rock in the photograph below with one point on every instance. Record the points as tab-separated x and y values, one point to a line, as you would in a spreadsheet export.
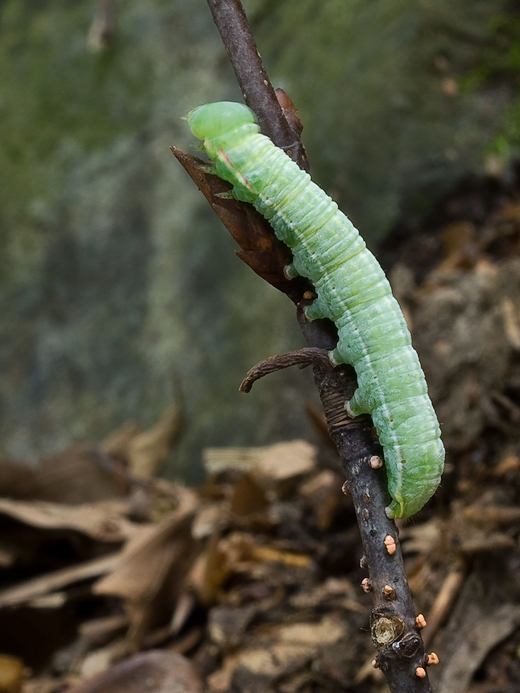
119	288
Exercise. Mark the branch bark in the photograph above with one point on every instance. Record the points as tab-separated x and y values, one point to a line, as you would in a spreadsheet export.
252	78
395	633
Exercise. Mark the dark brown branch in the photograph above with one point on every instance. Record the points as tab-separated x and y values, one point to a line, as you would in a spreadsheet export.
257	90
394	631
393	626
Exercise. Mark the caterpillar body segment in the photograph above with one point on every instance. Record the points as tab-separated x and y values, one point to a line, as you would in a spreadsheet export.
352	290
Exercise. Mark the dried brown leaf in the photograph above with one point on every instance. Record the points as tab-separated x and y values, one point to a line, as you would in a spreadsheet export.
336	591
100	660
227	625
492	515
248	497
269	554
220	681
78	475
44	584
327	631
511	323
117	443
209	572
99	630
261	250
484	542
153	671
324	491
285	461
289	110
443	602
508	465
422	538
277	659
104	521
7	556
271	466
147	451
209	520
16	480
482	632
151	572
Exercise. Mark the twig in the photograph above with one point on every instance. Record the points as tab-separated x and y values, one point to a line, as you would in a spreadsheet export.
395	632
252	78
301	358
444	602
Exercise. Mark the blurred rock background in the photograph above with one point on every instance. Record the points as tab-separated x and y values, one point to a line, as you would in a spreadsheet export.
119	293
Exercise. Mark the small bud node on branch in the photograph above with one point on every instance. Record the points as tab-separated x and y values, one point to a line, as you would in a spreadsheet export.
366	585
389	592
376	462
420	621
390	544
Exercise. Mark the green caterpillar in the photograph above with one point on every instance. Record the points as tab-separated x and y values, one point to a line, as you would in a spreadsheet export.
352	290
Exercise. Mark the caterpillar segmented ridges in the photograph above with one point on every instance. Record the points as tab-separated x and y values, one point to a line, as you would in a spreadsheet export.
352	290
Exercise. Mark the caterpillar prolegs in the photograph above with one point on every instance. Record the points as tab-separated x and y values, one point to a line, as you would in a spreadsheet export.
352	290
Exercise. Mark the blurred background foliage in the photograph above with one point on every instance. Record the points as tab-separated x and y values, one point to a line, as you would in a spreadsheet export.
499	64
119	291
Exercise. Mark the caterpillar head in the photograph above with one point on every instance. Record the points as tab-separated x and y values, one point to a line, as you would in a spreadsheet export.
220	124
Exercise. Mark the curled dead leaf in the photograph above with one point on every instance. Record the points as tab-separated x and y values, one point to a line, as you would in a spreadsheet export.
147	451
261	250
150	575
153	671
